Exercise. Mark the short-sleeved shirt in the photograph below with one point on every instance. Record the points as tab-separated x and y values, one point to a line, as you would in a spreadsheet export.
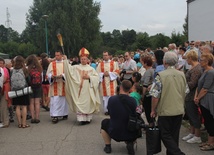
206	81
129	66
192	77
148	77
136	96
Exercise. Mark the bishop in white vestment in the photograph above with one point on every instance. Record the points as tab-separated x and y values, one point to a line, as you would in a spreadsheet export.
81	88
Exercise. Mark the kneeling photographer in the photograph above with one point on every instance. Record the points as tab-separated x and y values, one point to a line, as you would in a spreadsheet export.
120	107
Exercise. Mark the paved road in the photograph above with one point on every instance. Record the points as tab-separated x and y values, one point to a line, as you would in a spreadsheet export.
69	138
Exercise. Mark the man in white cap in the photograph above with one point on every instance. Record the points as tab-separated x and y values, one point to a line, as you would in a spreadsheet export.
81	88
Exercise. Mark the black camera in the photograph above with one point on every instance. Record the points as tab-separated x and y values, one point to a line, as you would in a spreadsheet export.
123	71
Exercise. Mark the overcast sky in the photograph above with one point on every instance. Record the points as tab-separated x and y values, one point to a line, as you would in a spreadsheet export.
151	16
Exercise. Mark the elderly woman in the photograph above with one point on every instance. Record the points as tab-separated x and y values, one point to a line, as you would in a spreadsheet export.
205	96
168	94
191	109
147	80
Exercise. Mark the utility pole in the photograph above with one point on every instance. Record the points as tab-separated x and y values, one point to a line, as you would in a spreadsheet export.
45	17
8	23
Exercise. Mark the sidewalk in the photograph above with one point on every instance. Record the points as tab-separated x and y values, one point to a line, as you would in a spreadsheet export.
68	138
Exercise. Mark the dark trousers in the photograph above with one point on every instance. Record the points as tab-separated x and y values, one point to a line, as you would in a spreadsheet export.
208	120
147	105
169	128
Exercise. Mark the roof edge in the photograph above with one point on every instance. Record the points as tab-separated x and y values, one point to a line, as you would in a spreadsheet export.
189	1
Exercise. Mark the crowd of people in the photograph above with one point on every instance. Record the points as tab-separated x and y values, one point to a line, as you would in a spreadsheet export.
164	84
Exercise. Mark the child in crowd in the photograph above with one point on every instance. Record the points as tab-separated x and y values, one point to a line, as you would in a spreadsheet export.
136	90
137	95
136	76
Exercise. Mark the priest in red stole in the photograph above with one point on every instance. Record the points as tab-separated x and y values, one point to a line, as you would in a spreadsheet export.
58	103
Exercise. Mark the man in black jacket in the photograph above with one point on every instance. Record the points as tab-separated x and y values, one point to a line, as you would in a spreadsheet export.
116	127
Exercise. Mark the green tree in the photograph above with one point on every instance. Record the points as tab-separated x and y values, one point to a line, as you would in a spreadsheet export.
3	34
11	48
107	38
177	38
185	26
159	40
76	20
8	34
13	35
142	41
116	35
128	38
25	49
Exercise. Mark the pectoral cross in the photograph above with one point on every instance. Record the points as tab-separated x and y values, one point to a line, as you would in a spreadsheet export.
82	73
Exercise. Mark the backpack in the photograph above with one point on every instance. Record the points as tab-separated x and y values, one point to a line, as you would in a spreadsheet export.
18	80
35	78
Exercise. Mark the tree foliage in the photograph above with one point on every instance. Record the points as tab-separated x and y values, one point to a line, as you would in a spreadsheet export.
76	20
185	26
8	34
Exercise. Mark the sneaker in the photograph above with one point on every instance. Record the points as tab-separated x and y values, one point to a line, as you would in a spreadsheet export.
130	148
1	125
194	140
189	136
107	149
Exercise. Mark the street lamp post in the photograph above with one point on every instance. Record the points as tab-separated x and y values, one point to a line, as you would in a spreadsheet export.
46	32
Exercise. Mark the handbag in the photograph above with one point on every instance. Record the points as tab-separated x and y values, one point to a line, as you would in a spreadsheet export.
153	139
21	92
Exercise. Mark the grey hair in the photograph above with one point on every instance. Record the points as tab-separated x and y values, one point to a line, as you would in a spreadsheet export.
170	58
208	47
174	45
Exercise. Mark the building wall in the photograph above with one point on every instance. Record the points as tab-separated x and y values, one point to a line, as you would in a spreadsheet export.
200	20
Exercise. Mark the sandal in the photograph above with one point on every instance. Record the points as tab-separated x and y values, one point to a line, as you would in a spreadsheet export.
25	126
33	121
37	121
208	147
203	144
19	126
55	120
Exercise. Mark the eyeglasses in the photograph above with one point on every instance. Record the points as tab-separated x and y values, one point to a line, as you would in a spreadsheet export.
126	55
